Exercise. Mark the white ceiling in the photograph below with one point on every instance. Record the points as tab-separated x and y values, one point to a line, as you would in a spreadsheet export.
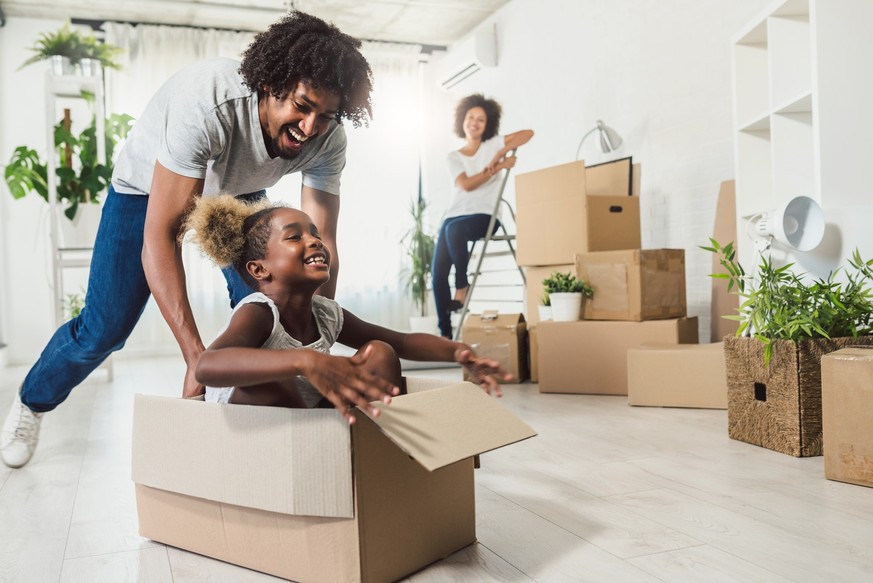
430	22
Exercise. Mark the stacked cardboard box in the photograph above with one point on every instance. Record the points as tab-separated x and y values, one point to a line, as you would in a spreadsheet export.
569	209
586	221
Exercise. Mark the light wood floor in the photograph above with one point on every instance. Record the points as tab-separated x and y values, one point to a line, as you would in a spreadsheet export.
606	492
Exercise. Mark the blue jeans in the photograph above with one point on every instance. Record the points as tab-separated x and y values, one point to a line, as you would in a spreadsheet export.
451	249
116	296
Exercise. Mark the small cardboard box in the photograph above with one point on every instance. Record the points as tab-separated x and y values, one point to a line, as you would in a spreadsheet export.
847	415
557	217
300	494
590	357
635	284
533	349
534	288
677	375
502	337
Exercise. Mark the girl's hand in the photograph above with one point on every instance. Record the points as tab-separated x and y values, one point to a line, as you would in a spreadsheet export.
485	372
346	384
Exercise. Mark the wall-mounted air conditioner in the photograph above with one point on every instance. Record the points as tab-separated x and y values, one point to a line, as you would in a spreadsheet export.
468	56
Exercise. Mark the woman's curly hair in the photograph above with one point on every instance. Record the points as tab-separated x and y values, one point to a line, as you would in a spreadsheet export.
492	115
302	47
232	232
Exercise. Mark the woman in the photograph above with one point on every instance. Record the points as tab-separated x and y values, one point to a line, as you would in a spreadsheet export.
474	170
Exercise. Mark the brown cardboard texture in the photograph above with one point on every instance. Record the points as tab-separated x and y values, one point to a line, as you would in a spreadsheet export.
502	337
557	218
534	351
301	495
846	409
534	288
610	178
677	375
590	357
636	284
724	231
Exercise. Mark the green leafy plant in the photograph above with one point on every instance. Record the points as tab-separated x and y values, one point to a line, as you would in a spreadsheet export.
559	282
69	42
73	304
419	245
64	42
546	300
780	304
83	180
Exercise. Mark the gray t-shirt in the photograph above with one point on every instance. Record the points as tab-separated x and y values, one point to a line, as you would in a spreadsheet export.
203	123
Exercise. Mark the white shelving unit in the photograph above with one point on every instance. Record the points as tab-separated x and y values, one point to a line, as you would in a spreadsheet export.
62	89
802	107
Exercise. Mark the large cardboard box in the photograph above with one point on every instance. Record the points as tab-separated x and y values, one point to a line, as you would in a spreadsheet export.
778	406
301	494
724	303
534	288
677	375
847	415
534	351
557	218
502	337
590	357
635	284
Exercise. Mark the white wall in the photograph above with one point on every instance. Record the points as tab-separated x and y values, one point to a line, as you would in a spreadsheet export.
658	72
25	294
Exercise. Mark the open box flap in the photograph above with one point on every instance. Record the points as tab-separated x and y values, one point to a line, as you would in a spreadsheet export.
442	426
292	461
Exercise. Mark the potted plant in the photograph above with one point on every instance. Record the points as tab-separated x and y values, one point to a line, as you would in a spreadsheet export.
81	178
73	304
788	321
67	48
419	246
544	308
565	294
95	55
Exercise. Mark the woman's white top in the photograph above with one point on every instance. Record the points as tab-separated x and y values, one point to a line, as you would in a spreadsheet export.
328	317
482	199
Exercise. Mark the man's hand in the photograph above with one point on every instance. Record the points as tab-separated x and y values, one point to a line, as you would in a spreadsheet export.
485	372
346	383
192	388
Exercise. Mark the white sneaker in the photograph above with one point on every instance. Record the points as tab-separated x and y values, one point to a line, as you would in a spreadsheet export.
20	434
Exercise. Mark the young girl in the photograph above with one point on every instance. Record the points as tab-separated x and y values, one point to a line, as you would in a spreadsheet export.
275	349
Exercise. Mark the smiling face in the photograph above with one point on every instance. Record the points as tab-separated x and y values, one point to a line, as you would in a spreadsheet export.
295	256
475	122
290	121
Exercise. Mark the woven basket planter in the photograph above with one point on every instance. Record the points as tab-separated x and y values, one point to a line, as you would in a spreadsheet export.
779	407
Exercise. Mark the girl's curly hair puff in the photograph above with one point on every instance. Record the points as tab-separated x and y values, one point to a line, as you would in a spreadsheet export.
492	115
302	47
232	232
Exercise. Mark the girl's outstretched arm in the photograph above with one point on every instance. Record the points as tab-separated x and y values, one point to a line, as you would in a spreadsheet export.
485	372
236	359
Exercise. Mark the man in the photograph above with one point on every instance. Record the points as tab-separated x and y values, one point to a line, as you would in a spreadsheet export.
215	127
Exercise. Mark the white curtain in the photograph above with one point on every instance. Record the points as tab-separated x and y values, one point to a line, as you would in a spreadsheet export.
378	183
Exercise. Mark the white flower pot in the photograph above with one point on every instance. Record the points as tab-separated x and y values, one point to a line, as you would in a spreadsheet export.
423	324
545	312
91	67
82	230
62	65
566	307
